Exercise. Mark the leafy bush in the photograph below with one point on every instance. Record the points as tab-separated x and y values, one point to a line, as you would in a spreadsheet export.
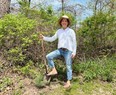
28	70
39	81
97	35
18	38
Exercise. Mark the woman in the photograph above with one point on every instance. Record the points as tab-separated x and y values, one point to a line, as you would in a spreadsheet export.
66	47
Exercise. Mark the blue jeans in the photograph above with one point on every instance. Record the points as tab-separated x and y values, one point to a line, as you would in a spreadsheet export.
67	56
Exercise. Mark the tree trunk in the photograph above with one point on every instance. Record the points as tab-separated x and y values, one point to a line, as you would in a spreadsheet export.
4	7
29	2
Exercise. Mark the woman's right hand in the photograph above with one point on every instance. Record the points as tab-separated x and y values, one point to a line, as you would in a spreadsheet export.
41	36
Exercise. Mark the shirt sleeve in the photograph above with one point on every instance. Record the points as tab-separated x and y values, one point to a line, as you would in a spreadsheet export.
74	42
50	39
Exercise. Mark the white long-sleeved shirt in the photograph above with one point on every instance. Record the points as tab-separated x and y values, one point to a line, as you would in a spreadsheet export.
66	39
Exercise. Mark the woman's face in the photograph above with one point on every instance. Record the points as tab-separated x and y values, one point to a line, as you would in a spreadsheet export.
64	23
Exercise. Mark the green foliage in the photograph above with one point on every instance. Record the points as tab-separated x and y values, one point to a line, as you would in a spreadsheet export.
16	36
39	81
28	70
15	54
96	69
4	82
25	70
98	34
47	19
17	92
25	6
61	68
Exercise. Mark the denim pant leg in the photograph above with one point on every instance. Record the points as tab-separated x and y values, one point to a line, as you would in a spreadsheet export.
68	60
51	56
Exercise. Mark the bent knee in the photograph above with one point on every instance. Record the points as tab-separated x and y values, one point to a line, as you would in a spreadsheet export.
48	57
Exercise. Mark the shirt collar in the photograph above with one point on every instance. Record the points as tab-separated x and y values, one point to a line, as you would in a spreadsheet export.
65	29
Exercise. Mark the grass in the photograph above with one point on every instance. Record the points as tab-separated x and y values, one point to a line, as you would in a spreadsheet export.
95	87
91	77
17	92
102	69
4	83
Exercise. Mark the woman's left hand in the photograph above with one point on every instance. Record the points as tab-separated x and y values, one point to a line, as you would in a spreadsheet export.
73	55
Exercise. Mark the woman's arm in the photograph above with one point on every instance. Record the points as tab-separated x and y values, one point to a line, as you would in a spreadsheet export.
74	44
49	39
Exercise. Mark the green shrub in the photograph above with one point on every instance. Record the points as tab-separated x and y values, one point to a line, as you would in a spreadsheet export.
18	38
39	81
97	35
28	70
